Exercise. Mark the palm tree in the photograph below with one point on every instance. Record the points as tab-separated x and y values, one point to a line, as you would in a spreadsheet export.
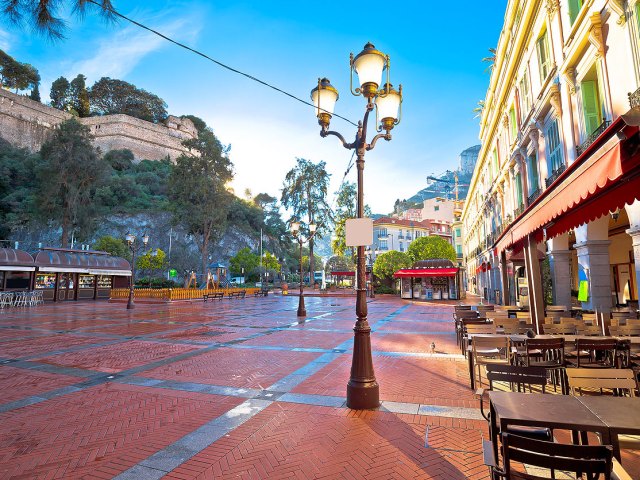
41	14
491	60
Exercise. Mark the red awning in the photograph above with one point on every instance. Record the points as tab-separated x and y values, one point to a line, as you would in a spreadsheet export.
602	180
426	272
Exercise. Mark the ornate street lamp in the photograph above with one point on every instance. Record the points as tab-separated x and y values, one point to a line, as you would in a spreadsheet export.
295	231
369	65
131	242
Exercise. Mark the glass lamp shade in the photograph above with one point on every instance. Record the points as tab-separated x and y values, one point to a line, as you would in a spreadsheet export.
145	239
313	228
369	65
388	105
295	227
130	238
324	97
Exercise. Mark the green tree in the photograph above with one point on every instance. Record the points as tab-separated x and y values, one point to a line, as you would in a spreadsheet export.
388	263
35	93
70	172
79	96
59	94
346	208
16	75
270	262
339	263
200	200
152	261
120	160
110	96
244	259
304	193
424	248
41	14
114	246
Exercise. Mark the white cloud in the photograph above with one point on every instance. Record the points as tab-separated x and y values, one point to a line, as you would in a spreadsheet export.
5	40
119	53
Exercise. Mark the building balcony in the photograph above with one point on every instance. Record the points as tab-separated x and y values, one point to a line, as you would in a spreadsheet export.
518	211
532	198
383	248
401	237
580	149
554	175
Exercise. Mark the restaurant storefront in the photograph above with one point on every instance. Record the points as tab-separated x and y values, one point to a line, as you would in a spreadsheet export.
63	274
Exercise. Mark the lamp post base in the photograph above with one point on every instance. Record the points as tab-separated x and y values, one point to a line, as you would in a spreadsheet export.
302	311
363	391
130	304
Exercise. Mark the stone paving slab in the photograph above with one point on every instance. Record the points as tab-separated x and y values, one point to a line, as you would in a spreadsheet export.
233	389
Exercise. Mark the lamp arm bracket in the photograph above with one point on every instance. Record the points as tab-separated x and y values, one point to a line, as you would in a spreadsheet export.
386	136
345	144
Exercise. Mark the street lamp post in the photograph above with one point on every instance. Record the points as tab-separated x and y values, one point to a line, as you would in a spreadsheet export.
369	65
295	231
131	242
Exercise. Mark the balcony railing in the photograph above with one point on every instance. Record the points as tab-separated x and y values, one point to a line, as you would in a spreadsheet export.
518	211
634	99
536	193
554	175
580	149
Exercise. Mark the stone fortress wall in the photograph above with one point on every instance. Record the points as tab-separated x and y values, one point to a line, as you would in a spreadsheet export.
28	124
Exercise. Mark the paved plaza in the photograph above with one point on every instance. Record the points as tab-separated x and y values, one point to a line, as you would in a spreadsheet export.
232	389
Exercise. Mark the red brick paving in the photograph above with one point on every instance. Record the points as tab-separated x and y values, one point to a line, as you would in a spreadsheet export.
16	383
234	368
115	358
132	329
208	334
301	339
434	381
107	428
34	346
297	441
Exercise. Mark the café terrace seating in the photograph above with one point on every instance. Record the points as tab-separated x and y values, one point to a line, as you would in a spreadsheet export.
570	352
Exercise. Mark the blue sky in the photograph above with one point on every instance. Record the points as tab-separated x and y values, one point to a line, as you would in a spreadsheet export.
435	50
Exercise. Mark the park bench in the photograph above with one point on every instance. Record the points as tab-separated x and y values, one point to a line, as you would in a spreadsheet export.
263	292
239	294
213	296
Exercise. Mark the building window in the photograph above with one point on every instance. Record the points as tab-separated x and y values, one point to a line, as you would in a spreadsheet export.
383	245
512	124
532	170
382	232
525	96
574	8
495	163
554	148
519	196
401	247
544	59
591	104
436	208
459	250
458	233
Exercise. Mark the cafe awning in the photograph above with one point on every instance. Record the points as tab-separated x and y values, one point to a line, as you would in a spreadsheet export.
73	261
13	260
426	272
604	178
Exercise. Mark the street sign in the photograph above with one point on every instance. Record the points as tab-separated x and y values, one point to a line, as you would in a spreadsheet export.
359	232
173	272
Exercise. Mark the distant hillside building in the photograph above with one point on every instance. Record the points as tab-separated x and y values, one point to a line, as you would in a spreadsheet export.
413	214
397	234
468	159
438	208
28	124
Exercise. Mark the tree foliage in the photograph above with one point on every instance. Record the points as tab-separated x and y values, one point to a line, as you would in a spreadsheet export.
69	174
197	189
59	93
110	96
388	263
79	96
270	262
339	263
17	76
153	261
244	259
424	248
41	14
112	245
304	193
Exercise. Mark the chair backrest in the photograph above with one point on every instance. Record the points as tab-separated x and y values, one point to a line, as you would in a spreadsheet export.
462	314
589	318
546	349
462	307
588	330
483	345
486	308
525	315
517	375
557	308
485	328
502	321
601	378
594	346
590	459
625	331
559	329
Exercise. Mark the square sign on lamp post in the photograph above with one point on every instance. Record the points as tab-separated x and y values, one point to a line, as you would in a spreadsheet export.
359	232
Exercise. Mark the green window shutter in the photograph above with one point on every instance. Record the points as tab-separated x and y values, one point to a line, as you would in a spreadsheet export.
590	106
574	9
519	189
533	174
514	126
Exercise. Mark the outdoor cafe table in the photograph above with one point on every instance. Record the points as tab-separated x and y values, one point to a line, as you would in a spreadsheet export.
561	412
515	338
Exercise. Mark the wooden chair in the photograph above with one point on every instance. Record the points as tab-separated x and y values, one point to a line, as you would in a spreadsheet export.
588	330
476	329
524	315
594	460
559	329
483	309
557	308
547	353
595	353
488	350
459	319
617	380
589	319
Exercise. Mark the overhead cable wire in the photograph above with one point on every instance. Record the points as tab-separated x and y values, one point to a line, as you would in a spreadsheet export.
204	55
